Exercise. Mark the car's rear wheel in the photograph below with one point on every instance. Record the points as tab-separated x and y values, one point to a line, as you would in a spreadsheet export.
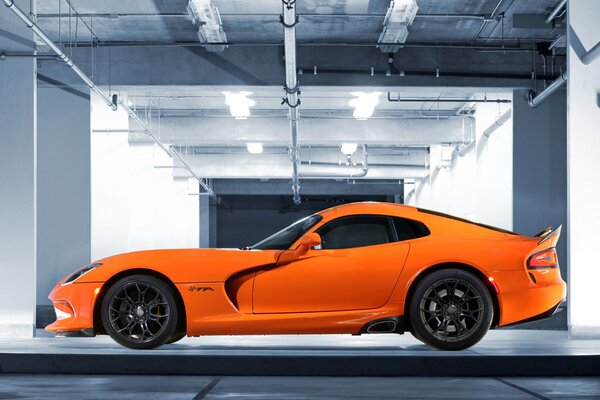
176	337
451	309
140	312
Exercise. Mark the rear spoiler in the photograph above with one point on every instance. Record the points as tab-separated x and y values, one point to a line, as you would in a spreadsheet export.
549	234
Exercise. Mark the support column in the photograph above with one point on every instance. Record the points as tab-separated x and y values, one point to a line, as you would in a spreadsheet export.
583	149
17	177
540	168
63	184
208	222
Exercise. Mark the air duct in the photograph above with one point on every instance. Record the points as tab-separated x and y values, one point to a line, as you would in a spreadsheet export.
535	100
292	89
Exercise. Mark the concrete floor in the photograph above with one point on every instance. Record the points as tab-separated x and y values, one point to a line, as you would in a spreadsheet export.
186	387
496	342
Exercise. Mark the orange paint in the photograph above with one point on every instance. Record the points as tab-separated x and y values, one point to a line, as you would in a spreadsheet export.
303	290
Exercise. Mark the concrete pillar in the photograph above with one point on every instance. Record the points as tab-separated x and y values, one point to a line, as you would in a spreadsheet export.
17	177
583	157
63	183
540	168
208	222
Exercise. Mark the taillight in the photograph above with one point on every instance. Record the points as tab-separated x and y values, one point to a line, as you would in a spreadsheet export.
543	259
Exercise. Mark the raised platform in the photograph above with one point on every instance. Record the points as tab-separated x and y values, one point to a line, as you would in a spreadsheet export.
502	353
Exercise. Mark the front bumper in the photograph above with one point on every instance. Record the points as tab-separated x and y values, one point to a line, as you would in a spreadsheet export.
75	304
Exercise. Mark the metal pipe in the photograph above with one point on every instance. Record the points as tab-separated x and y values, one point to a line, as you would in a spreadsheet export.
207	188
112	104
535	100
591	55
443	100
289	21
36	29
498	123
556	11
337	170
463	148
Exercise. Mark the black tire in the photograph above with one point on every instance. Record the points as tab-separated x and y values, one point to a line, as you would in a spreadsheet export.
140	312
176	337
451	309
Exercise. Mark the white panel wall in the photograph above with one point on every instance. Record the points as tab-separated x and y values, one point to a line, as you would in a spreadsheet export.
477	186
583	145
136	206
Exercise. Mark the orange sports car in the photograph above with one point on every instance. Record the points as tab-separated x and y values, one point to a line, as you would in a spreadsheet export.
355	269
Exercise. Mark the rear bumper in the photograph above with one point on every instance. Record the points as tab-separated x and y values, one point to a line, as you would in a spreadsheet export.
523	300
75	304
545	315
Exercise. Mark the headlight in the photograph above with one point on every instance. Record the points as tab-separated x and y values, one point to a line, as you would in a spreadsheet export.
80	272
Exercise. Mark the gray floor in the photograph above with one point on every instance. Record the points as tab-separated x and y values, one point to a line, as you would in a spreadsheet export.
185	387
496	342
501	342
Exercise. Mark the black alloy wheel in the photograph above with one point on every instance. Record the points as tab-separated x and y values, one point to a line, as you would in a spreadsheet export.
451	310
140	312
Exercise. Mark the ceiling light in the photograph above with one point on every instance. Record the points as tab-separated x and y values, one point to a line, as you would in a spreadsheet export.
400	15
254	148
349	148
364	104
239	104
207	19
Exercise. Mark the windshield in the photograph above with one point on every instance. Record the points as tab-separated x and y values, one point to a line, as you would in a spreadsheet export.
283	239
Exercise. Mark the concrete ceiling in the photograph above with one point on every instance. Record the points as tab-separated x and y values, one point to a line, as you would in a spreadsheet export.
257	21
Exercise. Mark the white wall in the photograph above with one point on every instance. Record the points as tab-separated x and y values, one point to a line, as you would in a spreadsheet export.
583	144
477	186
136	206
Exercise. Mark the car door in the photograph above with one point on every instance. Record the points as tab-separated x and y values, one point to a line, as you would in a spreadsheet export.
357	267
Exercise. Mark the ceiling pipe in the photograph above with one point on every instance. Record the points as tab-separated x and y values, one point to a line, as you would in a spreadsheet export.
498	123
292	88
535	100
336	170
63	57
442	100
591	55
111	102
205	186
463	148
557	10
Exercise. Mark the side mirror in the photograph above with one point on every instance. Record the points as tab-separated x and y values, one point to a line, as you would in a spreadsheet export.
311	240
307	241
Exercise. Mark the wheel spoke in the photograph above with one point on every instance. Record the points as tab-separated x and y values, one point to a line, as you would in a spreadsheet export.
139	320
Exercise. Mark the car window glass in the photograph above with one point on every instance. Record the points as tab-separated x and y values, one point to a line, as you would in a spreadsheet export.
407	229
283	239
355	231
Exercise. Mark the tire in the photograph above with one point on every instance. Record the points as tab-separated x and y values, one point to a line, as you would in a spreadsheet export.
176	337
451	309
140	312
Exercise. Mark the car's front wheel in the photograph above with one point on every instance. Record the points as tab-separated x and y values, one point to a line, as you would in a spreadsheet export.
140	312
451	309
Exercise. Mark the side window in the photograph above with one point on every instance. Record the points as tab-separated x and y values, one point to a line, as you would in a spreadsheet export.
407	229
355	231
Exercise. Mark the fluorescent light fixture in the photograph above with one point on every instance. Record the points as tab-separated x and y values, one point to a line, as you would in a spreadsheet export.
239	104
400	15
349	148
207	19
254	148
364	104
